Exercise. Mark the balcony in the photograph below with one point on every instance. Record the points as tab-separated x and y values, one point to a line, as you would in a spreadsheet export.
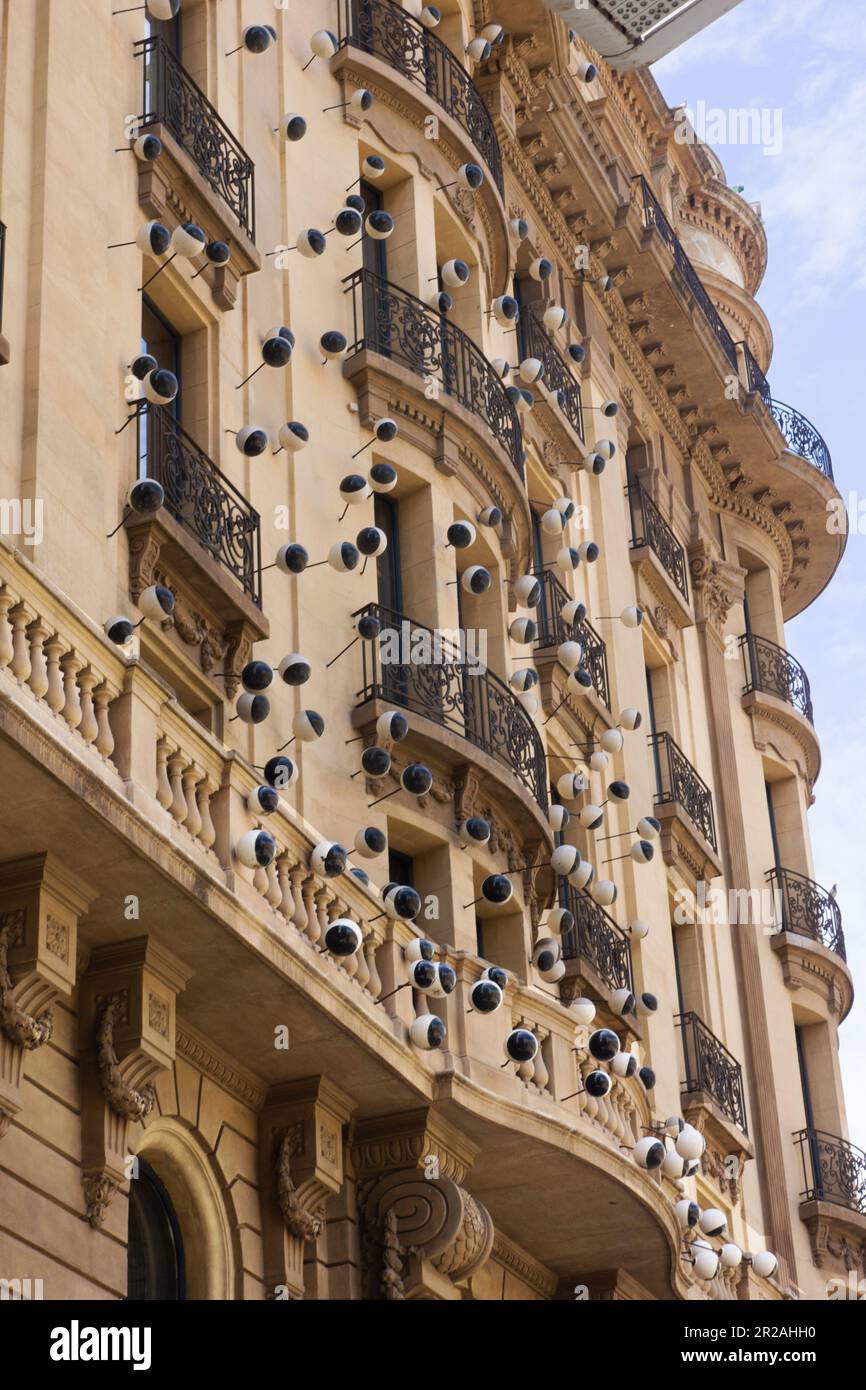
692	285
553	629
658	556
558	387
684	805
772	671
4	346
810	943
455	704
711	1072
833	1199
201	164
801	436
207	540
597	952
387	32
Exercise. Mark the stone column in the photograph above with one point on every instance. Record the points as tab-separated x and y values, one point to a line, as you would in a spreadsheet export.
717	586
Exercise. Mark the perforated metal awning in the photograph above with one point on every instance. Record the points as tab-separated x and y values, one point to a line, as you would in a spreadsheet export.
629	33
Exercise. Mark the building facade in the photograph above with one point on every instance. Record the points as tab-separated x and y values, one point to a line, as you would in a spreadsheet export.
199	1095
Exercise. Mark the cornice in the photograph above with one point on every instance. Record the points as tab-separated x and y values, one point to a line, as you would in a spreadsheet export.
212	1063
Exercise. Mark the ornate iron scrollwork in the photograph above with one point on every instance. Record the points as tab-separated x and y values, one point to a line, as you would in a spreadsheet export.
648	527
711	1068
596	939
203	500
769	668
678	781
557	378
552	630
393	323
834	1170
172	99
388	32
808	909
469	700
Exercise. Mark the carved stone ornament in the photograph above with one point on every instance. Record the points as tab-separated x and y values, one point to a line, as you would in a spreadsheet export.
20	1027
422	1228
124	1099
301	1219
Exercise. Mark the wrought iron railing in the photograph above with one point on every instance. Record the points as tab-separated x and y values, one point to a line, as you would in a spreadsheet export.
755	379
808	909
172	99
203	500
596	939
388	32
648	527
435	678
802	437
536	342
392	322
834	1170
677	780
711	1068
553	629
654	217
772	670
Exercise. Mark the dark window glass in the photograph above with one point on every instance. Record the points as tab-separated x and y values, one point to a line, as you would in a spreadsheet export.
401	868
390	587
155	1265
162	341
375	255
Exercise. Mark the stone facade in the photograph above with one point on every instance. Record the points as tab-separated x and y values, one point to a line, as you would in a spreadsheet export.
171	1017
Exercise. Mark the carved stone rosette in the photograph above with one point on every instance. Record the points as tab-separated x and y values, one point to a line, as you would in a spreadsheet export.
126	1039
40	903
301	1166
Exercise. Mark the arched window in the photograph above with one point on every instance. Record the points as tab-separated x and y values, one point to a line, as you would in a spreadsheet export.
155	1262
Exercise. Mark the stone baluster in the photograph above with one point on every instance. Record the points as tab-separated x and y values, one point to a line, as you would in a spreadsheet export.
20	666
163	787
87	725
362	969
372	942
274	893
54	696
38	682
287	902
207	831
299	914
7	647
70	665
260	880
541	1075
323	898
176	764
525	1070
102	697
312	928
336	908
189	781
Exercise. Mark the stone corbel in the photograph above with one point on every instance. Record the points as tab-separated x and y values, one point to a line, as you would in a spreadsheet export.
301	1166
423	1234
127	1038
40	904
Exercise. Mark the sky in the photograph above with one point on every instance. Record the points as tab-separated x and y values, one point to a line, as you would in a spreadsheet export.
806	61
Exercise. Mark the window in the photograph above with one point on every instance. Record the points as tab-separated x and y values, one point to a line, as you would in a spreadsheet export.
401	868
375	255
155	1261
162	341
166	29
389	579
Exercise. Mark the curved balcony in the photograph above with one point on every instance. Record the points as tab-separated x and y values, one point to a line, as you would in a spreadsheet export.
773	671
395	326
807	909
432	678
834	1170
387	31
552	630
833	1199
810	944
802	437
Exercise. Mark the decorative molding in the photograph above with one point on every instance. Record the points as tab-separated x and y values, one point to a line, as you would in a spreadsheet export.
223	1072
